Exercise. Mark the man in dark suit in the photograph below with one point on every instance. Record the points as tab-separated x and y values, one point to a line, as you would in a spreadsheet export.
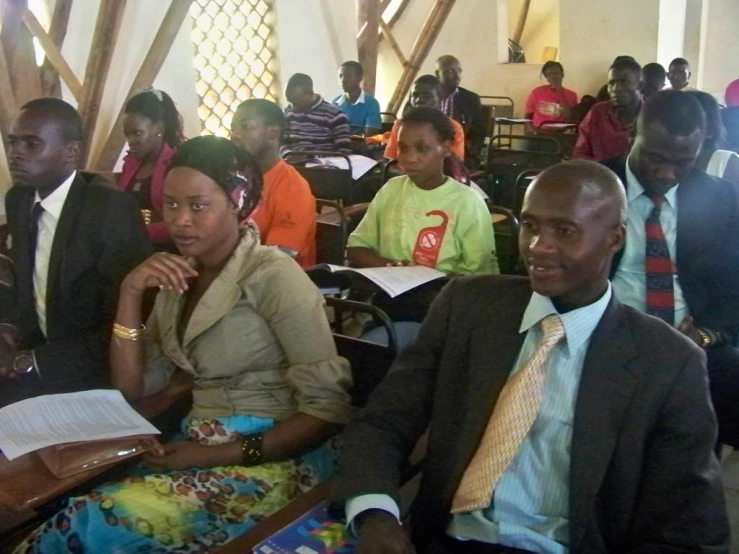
558	421
681	260
462	105
74	237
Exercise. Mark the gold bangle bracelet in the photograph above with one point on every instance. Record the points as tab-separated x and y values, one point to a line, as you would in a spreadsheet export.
127	333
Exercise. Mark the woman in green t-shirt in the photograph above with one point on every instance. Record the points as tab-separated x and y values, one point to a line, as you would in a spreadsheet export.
424	217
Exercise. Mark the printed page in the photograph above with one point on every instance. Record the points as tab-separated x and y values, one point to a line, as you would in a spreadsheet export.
397	280
360	164
60	418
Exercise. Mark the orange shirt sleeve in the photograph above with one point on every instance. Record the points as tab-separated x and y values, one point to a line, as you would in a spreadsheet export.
287	216
458	146
391	150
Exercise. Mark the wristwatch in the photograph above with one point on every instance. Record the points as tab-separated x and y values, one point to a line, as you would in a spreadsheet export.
706	340
24	363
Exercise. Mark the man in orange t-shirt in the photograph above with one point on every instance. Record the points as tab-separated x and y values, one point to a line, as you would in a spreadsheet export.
427	91
286	216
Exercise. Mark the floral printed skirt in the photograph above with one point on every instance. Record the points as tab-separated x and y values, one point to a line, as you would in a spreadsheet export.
186	511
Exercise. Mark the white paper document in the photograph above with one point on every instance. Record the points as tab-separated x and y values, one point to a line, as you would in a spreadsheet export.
360	164
393	280
60	418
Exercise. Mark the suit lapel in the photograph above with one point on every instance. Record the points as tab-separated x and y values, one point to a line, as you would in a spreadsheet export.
605	393
493	351
67	220
218	300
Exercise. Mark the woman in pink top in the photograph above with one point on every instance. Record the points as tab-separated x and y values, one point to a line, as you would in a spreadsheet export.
153	129
550	102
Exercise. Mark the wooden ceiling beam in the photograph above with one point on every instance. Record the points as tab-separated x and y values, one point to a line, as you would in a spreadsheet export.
421	48
388	34
8	105
148	71
370	14
19	52
57	33
107	27
53	55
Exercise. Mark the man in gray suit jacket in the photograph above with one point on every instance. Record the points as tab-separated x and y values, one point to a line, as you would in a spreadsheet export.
616	454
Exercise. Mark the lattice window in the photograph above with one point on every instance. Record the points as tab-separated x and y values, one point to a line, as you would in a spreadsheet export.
234	57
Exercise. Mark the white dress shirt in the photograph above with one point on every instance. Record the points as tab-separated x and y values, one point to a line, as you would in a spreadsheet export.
630	280
52	205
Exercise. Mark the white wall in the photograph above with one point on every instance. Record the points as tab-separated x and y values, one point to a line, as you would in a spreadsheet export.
594	32
315	37
720	60
671	39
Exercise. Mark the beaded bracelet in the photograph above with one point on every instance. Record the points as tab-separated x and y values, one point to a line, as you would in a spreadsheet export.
251	450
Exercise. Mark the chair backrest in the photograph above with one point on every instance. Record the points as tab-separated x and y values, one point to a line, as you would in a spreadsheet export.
504	166
328	183
369	361
496	107
334	224
506	229
523	181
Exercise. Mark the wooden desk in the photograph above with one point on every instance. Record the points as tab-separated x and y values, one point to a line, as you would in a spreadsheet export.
26	483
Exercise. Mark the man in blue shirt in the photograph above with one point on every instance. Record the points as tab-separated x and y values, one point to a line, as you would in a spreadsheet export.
362	109
603	430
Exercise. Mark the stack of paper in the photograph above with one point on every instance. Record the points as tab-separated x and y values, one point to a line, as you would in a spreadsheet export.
90	415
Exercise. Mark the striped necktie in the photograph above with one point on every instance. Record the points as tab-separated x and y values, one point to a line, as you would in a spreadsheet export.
659	269
513	415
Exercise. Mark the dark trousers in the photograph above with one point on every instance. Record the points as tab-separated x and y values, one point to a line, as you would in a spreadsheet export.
448	545
723	375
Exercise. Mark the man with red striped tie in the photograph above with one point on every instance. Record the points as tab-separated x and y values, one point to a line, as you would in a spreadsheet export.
681	259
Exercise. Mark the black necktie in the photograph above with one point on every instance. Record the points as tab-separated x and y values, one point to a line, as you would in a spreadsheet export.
36	212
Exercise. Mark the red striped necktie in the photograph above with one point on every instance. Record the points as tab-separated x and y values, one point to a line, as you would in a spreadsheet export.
659	267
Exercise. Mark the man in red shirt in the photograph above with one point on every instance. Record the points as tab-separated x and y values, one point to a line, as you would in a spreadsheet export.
606	131
286	217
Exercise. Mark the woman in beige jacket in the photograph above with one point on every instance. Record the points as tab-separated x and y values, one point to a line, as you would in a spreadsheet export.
269	392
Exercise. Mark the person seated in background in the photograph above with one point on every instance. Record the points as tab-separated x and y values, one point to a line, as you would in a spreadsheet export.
313	123
653	77
362	109
551	102
603	94
730	115
463	106
423	218
679	75
713	159
74	237
427	92
606	130
555	413
153	129
680	262
270	390
286	215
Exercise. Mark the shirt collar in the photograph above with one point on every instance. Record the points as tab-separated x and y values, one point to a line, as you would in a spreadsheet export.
451	94
634	188
341	100
54	203
579	324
